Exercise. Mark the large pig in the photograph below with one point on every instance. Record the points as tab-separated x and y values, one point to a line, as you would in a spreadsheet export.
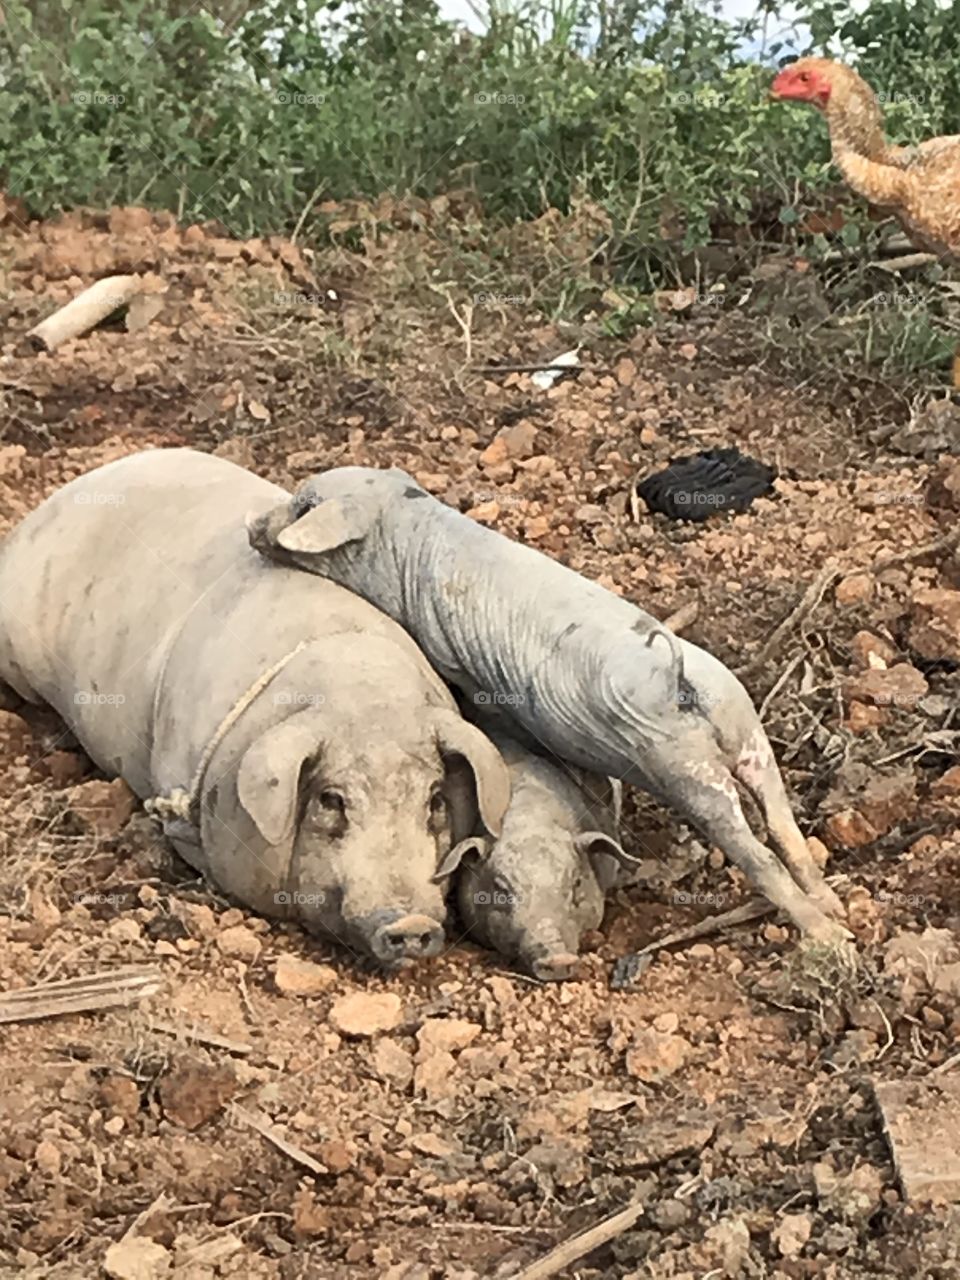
534	890
306	757
594	679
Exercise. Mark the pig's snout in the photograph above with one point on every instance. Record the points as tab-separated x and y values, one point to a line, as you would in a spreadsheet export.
412	937
557	966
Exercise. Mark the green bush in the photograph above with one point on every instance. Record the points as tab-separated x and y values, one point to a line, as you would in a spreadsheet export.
243	113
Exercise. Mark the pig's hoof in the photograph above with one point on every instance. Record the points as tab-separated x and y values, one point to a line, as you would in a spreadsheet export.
829	903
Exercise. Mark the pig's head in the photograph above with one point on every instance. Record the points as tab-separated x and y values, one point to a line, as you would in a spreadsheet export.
532	892
357	812
322	526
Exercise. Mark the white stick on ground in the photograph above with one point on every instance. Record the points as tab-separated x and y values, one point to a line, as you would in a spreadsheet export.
84	311
552	1263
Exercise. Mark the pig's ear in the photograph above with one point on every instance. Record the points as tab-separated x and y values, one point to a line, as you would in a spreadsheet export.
456	737
606	855
473	846
268	779
330	524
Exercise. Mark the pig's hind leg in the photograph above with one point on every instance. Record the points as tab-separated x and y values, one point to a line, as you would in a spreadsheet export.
705	793
757	769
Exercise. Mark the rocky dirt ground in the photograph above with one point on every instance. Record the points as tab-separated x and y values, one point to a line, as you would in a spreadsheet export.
457	1121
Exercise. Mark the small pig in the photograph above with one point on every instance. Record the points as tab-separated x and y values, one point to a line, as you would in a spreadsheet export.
302	752
594	679
533	891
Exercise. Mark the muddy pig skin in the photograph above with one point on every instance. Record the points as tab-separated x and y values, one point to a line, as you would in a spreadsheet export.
334	769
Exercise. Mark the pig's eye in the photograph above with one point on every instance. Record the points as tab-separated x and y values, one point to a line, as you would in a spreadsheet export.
332	801
437	806
500	885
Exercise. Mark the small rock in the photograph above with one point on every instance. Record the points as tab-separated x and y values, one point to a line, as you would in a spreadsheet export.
857	589
853	1195
791	1233
48	1158
536	527
431	1144
363	1014
138	1258
888	799
296	977
898	686
392	1062
520	440
850	829
120	1096
446	1035
861	718
625	371
126	929
197	917
485	512
338	1156
239	943
194	1093
935	625
948	784
872	651
654	1055
104	808
15	732
435	1076
495	453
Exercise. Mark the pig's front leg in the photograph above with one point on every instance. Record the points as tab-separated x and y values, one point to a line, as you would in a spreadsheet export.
757	770
705	793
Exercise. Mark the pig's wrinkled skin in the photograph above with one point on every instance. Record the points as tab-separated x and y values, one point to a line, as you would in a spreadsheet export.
533	891
130	601
594	679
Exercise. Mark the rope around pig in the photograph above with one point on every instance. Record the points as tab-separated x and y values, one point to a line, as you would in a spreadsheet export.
184	802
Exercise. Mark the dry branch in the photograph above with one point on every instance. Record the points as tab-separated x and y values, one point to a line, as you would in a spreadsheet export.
267	1130
563	1255
200	1036
80	995
683	617
84	312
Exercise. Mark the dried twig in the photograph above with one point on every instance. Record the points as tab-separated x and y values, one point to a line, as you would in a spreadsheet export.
84	311
808	602
785	675
752	910
683	617
563	1255
199	1036
946	1066
526	368
946	543
80	995
267	1130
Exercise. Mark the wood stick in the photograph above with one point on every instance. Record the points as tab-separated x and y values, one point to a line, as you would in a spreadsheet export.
84	311
752	910
683	617
808	602
558	1259
80	995
267	1130
526	368
200	1036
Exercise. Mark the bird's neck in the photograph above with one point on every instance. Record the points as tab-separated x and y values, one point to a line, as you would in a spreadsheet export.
854	118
